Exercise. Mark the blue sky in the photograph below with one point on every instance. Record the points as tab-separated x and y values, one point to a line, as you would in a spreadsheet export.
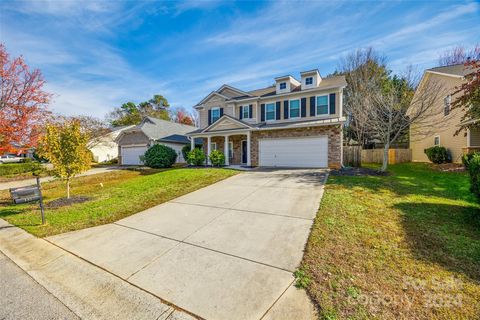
97	55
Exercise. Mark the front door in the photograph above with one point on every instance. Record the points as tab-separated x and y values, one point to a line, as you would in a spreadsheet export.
244	151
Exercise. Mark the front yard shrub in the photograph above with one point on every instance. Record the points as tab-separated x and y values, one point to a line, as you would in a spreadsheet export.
160	156
196	157
438	154
9	169
472	164
186	150
217	158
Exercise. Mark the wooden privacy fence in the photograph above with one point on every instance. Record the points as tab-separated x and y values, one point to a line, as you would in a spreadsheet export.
354	156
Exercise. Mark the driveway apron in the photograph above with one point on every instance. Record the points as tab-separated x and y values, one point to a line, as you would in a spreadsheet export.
226	251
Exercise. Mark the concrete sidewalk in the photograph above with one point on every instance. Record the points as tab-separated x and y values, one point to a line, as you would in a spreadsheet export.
29	182
88	291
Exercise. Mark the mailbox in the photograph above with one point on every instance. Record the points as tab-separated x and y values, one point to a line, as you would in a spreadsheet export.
29	194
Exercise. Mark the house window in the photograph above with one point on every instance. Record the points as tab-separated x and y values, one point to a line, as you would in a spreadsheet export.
447	102
294	109
230	150
322	105
436	140
270	111
213	146
245	112
309	81
215	114
283	85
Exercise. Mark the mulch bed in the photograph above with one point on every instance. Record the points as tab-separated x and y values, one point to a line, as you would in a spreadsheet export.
62	202
448	167
351	172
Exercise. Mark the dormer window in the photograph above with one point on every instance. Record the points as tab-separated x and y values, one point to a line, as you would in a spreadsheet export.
283	85
309	81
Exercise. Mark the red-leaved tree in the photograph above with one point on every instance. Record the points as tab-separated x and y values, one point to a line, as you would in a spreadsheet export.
468	97
181	116
23	103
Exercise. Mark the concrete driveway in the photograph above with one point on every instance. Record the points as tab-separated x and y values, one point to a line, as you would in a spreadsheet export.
226	251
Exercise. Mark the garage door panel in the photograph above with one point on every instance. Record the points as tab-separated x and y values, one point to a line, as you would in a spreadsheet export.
131	155
294	152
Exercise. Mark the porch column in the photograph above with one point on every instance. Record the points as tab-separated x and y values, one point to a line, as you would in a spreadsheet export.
249	162
225	151
192	143
209	149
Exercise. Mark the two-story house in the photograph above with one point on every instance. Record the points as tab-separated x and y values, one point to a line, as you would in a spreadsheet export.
439	126
294	123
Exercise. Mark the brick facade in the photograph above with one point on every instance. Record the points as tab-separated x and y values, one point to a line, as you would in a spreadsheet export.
333	132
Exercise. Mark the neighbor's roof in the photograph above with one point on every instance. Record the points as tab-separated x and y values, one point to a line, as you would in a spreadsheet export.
156	129
454	70
175	138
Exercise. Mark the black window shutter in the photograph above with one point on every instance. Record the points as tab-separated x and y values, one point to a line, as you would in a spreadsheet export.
209	117
262	112
241	113
304	107
250	111
285	109
312	106
277	111
221	112
332	103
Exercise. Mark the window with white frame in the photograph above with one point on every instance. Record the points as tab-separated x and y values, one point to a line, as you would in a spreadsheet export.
283	85
230	150
309	81
245	112
294	109
215	114
436	140
213	146
322	105
270	111
447	102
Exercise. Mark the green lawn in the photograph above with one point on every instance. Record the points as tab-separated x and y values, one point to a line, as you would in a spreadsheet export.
403	246
123	193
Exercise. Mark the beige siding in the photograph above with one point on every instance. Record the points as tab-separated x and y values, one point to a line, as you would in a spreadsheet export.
230	93
214	101
226	124
423	132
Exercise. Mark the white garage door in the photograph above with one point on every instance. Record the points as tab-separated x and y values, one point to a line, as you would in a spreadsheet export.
131	155
311	152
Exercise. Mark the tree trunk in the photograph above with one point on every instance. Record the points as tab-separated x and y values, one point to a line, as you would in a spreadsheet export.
68	188
385	158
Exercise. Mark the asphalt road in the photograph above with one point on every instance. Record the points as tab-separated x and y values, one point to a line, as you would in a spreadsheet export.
21	297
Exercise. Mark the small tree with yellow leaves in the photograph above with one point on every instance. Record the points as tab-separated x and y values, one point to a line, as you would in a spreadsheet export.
65	146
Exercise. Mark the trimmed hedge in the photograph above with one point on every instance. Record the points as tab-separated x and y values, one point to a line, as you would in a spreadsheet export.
9	169
160	156
217	158
196	157
186	150
438	155
472	164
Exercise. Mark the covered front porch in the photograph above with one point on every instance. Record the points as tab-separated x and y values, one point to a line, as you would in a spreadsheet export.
236	146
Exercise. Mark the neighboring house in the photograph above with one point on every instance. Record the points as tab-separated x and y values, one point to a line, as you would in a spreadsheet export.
439	126
294	123
133	142
105	148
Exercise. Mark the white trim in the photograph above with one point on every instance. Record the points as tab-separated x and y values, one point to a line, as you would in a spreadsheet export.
444	74
328	105
227	117
233	89
439	142
308	84
468	138
230	143
299	108
330	89
213	146
274	112
248	109
134	145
